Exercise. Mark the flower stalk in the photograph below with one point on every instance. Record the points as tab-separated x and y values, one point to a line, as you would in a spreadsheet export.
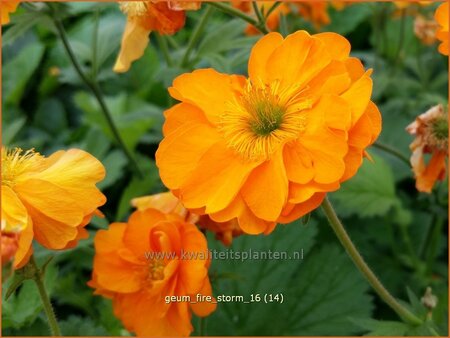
94	87
38	277
362	266
260	25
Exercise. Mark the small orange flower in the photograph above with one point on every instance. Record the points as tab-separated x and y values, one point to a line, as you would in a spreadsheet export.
49	199
408	3
441	17
143	17
139	264
272	21
6	8
315	11
168	203
10	243
431	131
425	30
267	148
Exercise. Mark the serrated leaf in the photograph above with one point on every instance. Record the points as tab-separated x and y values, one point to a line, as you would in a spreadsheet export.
320	292
371	192
382	328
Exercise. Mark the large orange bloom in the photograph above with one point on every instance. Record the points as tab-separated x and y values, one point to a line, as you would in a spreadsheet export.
267	149
49	199
140	263
6	8
431	131
143	17
166	202
441	17
272	21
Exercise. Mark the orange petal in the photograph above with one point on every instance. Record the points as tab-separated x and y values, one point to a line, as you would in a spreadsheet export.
25	250
178	154
207	89
266	189
301	209
225	173
134	42
298	163
337	46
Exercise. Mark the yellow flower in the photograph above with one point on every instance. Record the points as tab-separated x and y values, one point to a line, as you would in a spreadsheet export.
49	199
441	17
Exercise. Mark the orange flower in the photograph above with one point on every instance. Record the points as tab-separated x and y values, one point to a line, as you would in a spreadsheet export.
425	30
7	7
49	199
140	265
441	17
143	17
431	130
272	21
408	3
9	246
266	149
168	203
315	11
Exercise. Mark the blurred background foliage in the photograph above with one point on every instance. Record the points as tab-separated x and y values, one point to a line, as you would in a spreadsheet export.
401	233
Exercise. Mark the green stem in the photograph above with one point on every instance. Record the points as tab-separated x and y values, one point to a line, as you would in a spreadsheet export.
392	151
93	86
237	13
39	280
354	254
164	49
258	13
274	7
196	34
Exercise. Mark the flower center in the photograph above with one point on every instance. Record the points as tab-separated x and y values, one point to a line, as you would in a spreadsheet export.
133	8
263	118
156	269
438	133
15	162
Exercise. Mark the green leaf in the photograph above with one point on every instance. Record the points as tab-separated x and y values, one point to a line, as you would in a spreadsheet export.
18	71
10	130
139	187
382	328
320	292
115	163
371	192
346	20
132	116
81	326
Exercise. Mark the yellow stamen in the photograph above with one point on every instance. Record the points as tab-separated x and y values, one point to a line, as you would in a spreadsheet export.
133	8
16	162
256	124
156	268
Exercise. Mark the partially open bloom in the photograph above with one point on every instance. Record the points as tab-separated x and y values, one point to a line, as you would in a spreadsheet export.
267	149
431	131
441	17
146	266
272	21
49	199
425	29
166	202
6	8
143	17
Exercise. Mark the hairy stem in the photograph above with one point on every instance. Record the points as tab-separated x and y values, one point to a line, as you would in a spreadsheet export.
392	151
362	266
38	278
